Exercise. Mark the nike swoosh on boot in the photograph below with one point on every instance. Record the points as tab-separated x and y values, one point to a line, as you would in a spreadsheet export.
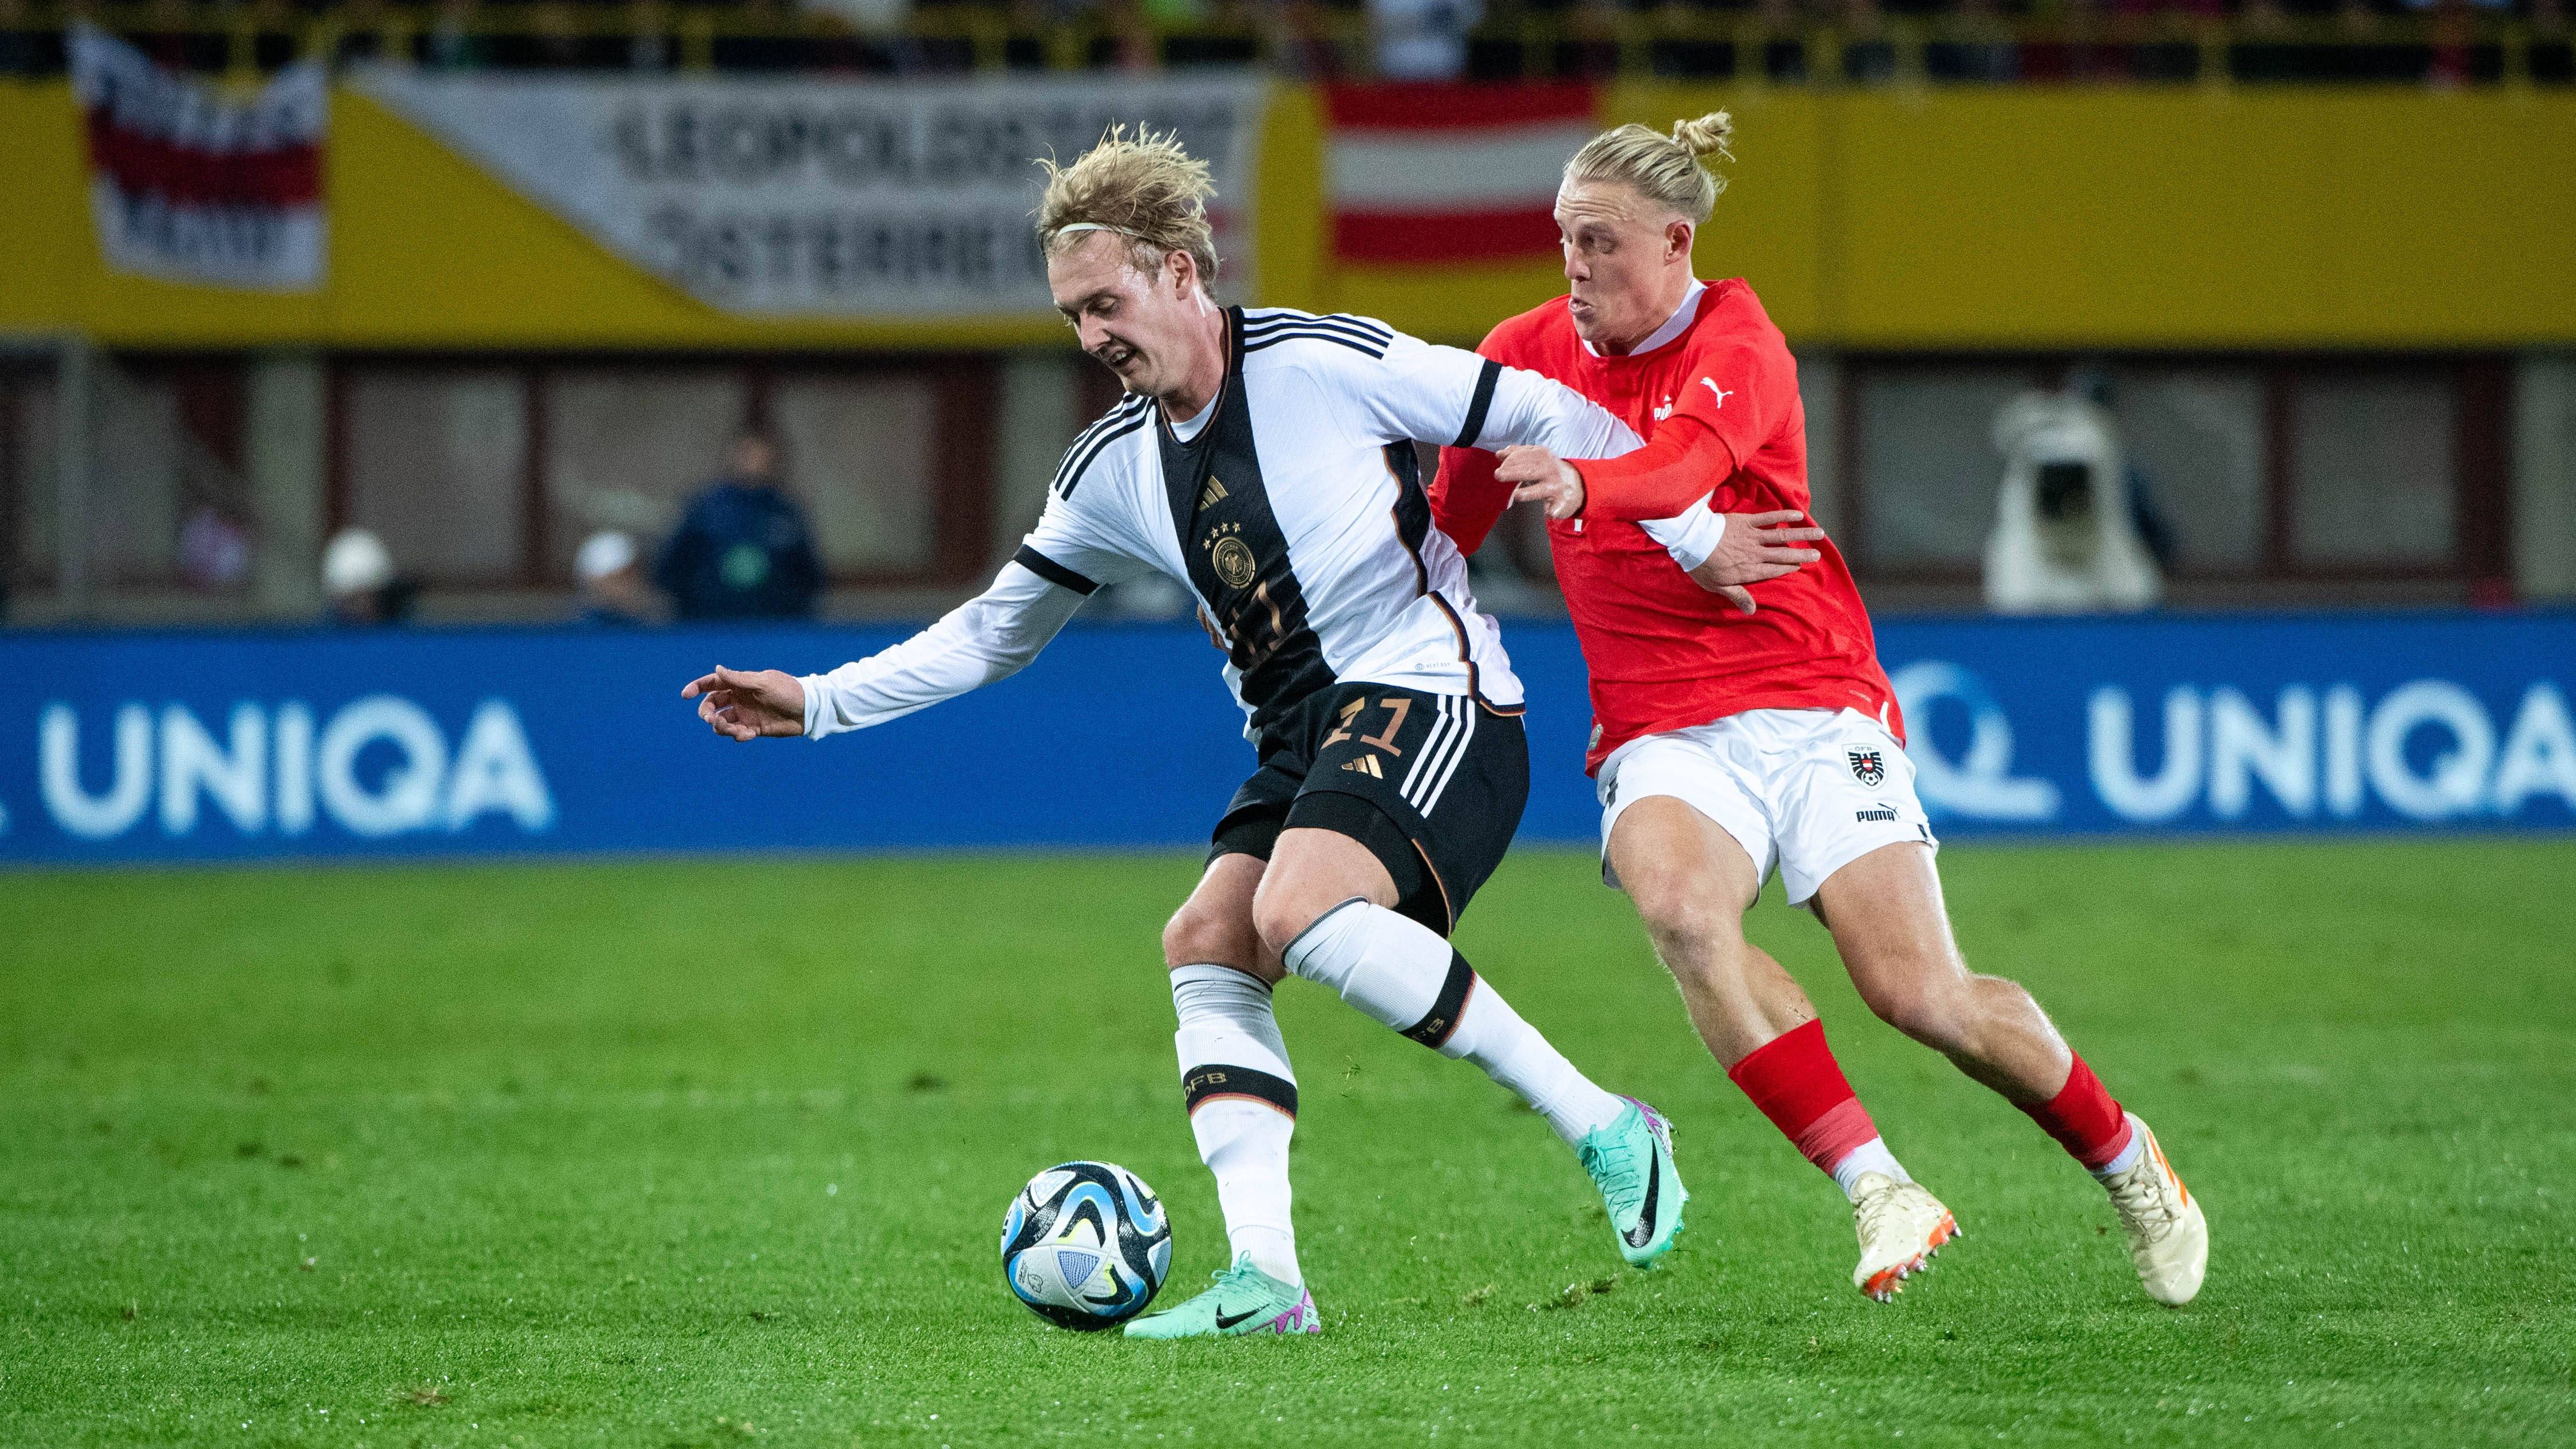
1644	1232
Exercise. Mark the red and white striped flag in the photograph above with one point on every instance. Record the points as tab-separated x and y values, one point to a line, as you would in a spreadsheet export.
191	184
1430	174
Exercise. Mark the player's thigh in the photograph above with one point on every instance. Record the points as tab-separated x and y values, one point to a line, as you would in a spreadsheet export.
1690	879
1214	926
1684	830
1893	931
1431	787
1311	871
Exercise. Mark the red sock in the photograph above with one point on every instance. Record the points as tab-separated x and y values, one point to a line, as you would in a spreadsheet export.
2084	1119
1797	1083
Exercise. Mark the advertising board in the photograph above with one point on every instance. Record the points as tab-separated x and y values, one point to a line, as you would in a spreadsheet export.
145	747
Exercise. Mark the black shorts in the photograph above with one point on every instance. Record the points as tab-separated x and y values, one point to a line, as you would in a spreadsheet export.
1432	784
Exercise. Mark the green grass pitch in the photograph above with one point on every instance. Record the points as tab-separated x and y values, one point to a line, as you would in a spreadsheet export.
680	1154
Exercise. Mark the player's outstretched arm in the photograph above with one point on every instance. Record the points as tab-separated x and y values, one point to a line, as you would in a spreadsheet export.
744	704
1739	549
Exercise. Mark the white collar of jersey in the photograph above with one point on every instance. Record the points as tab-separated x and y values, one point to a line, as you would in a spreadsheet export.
1673	325
1190	429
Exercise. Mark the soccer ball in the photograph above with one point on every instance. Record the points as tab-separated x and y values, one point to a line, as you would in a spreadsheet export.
1086	1245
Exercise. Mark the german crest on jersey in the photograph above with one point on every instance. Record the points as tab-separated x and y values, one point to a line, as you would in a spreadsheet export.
1867	767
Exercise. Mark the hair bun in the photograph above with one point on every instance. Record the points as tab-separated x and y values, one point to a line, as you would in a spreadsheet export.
1706	136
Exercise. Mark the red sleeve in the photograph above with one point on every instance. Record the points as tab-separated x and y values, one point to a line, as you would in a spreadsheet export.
1681	466
1466	497
1720	420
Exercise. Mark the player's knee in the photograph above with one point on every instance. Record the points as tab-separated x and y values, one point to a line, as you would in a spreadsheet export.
1686	914
1928	1004
1197	934
1279	916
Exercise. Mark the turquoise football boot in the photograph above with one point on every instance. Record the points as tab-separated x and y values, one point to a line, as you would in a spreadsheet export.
1244	1301
1631	1161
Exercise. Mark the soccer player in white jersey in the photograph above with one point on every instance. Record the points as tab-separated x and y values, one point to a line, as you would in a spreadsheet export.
1264	459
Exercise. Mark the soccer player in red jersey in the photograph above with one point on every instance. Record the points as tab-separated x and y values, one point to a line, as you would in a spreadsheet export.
1738	732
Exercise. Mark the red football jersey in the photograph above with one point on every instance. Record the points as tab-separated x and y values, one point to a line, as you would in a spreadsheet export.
1663	652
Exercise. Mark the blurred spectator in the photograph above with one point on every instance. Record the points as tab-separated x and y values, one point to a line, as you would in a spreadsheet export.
276	37
1590	49
742	550
1868	57
1784	54
173	38
361	32
27	48
1977	46
214	551
451	43
359	582
1423	39
613	590
651	46
2553	56
554	37
1300	44
768	40
1129	42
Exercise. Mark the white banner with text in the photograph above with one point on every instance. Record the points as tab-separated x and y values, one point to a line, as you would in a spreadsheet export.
812	197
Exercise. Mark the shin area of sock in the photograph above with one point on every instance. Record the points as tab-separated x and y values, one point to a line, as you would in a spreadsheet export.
1795	1081
2084	1119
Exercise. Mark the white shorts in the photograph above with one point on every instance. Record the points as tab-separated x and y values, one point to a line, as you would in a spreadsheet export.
1805	791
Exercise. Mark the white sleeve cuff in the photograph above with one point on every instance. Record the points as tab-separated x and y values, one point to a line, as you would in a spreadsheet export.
1689	536
813	684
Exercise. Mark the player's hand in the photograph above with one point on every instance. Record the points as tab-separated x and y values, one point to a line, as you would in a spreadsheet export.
1544	478
743	704
1756	547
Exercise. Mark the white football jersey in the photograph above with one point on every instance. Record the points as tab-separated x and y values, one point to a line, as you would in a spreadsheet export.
1292	509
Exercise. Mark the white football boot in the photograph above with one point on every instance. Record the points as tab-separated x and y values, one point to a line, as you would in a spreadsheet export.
2168	1237
1901	1226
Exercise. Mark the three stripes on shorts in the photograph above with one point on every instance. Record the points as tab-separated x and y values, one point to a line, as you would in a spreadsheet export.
1442	748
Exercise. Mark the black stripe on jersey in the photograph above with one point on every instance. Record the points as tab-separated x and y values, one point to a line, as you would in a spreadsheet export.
1126	408
1215	1083
1254	328
1366	336
1237	556
1479	405
1053	572
1314	334
1441	1022
1117	423
1412	508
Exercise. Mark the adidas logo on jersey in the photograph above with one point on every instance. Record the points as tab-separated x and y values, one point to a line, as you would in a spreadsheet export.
1211	493
1366	765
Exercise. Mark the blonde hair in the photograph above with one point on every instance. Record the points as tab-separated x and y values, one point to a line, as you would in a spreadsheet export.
1663	169
1142	187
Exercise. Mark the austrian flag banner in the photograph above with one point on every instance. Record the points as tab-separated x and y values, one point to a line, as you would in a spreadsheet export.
1426	175
188	184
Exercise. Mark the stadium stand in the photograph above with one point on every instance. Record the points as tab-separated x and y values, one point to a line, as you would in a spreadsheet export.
1854	42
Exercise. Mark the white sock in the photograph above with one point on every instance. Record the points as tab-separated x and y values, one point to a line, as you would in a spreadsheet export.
1870	1156
2127	1159
1403	974
1242	1101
